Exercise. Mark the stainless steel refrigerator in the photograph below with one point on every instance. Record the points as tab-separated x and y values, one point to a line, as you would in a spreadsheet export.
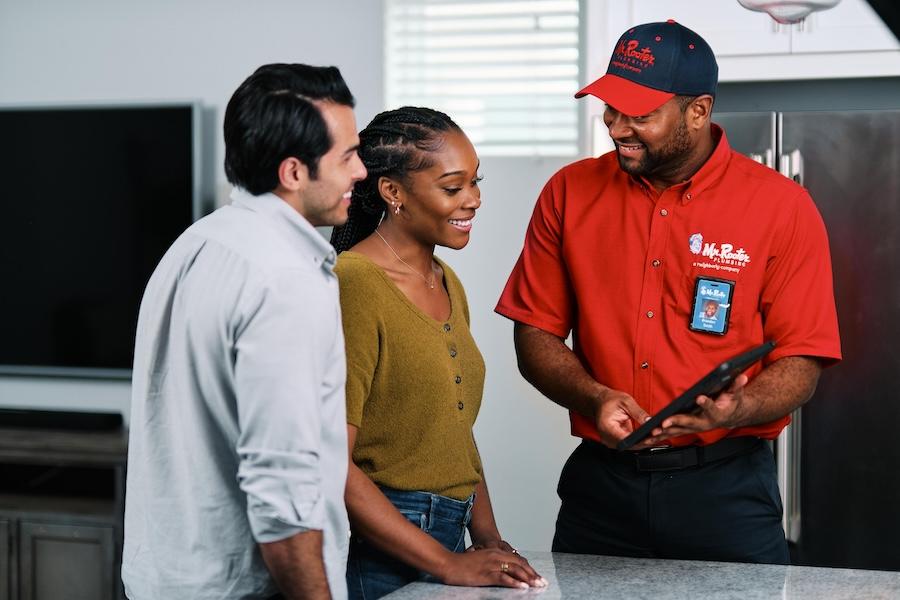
839	463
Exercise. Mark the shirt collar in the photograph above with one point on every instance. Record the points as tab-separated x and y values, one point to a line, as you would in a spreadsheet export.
295	228
714	167
708	174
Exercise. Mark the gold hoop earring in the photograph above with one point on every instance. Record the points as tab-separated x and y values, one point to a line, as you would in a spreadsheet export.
396	209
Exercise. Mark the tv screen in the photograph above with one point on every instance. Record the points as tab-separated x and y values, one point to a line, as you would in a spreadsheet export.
92	198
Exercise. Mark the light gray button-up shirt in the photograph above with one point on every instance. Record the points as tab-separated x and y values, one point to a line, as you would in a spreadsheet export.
238	429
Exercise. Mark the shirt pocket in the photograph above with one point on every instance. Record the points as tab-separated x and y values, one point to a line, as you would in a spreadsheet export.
681	307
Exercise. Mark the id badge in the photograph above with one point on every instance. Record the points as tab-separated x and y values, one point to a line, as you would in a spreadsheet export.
712	305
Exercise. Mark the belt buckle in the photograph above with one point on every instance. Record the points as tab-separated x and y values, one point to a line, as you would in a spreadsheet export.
656	460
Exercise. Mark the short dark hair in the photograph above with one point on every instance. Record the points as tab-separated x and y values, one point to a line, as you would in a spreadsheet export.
396	143
684	101
273	116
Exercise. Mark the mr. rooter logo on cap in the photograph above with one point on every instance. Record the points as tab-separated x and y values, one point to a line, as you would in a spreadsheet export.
653	62
627	56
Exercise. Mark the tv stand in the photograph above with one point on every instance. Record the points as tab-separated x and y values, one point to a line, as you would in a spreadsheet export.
62	502
59	419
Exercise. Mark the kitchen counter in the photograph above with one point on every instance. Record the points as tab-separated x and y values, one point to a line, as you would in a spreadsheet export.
588	576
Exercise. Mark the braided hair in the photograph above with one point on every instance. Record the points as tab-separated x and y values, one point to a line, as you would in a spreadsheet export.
396	143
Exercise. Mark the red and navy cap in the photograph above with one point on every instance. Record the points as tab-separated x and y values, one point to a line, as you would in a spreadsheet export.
651	64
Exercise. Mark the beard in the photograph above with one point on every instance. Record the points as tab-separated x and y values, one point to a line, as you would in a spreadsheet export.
670	156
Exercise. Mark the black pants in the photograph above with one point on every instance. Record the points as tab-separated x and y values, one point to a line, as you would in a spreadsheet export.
729	510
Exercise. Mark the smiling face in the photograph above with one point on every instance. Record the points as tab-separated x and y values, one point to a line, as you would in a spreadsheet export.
666	146
326	198
440	201
657	143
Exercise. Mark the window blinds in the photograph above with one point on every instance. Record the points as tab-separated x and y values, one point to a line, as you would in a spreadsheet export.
504	70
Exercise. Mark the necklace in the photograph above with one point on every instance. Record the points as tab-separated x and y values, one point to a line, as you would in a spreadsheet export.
430	284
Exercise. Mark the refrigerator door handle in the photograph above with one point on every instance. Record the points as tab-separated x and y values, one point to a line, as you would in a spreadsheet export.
787	446
766	158
791	166
787	450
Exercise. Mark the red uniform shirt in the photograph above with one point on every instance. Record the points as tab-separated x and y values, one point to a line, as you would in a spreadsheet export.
611	260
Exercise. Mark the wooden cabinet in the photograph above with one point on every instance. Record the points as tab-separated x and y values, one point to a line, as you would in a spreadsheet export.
66	561
5	545
851	26
846	41
61	514
849	40
730	29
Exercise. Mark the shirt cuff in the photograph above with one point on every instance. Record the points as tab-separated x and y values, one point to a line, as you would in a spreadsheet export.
284	495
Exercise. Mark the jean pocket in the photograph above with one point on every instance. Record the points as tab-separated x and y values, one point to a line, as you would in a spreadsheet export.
417	518
449	532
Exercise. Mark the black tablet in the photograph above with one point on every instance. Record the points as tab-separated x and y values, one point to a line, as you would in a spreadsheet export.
717	380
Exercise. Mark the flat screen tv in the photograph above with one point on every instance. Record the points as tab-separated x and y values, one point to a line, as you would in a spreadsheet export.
91	199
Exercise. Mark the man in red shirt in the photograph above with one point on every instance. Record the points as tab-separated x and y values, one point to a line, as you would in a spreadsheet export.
623	251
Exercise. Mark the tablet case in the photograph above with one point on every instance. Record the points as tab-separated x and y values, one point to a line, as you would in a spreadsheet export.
717	380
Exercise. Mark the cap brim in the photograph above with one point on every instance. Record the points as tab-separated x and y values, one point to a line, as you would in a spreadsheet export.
626	96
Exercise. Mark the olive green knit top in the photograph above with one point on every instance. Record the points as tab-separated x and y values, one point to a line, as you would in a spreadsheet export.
414	384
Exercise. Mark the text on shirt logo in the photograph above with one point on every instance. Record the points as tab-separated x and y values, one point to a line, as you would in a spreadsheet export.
721	256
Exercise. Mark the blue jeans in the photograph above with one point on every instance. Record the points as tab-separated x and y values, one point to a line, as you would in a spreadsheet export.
372	573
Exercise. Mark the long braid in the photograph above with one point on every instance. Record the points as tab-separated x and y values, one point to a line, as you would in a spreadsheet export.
396	143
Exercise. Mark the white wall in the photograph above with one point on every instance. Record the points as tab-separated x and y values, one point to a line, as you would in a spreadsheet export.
523	437
62	51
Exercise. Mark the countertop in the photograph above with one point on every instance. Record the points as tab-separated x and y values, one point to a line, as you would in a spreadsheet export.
588	576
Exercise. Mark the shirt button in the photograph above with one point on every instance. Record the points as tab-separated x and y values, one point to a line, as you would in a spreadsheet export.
664	212
452	352
688	196
649	314
460	406
656	262
446	326
458	379
645	364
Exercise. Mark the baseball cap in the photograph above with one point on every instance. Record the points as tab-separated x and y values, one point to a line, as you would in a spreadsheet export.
651	64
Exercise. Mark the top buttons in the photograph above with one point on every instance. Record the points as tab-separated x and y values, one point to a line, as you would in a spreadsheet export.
664	212
446	326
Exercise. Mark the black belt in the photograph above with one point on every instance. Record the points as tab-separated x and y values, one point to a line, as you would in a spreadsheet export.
674	459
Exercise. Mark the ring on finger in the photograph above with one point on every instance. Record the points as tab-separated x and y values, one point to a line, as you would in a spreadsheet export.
504	567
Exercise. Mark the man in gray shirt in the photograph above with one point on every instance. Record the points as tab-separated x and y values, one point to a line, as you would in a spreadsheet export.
237	453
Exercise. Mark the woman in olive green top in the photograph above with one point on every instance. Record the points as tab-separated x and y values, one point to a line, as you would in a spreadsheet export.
414	373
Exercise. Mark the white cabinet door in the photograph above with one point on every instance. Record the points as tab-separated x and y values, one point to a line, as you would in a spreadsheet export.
730	29
851	26
849	40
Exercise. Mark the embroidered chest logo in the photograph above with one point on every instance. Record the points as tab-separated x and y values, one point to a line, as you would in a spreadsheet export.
721	257
696	242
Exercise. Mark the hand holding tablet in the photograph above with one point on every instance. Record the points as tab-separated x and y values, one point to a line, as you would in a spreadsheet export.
711	385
